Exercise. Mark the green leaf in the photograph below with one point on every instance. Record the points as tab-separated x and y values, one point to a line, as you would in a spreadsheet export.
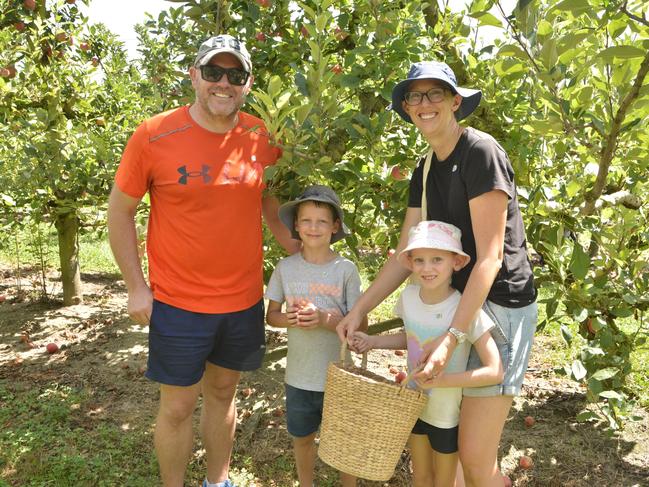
621	52
485	18
274	86
580	262
575	6
578	370
587	416
622	312
566	334
604	374
611	395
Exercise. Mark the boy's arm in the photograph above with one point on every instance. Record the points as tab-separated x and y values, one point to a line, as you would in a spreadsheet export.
275	316
490	373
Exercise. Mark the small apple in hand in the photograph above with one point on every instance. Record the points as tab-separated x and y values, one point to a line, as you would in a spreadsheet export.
400	377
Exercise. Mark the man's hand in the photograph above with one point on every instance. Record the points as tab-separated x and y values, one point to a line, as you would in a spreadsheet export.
435	359
140	303
347	327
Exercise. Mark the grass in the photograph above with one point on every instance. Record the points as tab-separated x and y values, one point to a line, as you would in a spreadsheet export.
49	437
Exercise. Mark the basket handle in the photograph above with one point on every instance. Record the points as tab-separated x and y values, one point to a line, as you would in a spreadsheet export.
343	355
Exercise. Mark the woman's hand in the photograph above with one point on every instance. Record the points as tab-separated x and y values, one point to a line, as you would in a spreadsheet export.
347	327
435	358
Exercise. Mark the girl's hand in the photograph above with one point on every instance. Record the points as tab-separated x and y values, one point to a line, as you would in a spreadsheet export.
291	314
362	342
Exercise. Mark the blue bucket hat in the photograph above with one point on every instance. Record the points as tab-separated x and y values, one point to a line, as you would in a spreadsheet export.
442	72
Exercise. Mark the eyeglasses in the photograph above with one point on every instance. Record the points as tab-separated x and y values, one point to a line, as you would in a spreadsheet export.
213	73
434	95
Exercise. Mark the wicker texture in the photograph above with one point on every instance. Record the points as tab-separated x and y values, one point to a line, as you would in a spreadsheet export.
366	420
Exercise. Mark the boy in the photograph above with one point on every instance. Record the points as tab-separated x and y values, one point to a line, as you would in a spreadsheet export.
433	253
319	287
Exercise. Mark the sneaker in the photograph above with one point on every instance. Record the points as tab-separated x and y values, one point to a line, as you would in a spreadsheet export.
225	483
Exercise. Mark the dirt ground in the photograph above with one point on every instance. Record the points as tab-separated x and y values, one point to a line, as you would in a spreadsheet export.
104	353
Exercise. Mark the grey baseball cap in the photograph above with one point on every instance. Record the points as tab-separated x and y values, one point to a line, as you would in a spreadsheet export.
223	43
317	192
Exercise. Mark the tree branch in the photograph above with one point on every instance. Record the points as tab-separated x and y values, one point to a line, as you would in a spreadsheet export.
642	20
610	143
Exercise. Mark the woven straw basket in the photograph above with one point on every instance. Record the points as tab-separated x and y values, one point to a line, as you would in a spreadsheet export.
366	420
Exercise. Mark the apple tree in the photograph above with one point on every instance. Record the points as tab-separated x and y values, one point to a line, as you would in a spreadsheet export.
67	106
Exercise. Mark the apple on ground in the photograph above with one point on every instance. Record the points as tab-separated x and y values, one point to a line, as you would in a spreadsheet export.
52	348
399	353
525	462
529	421
393	370
246	392
3	298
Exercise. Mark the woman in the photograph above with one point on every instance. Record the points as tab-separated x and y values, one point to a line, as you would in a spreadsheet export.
470	184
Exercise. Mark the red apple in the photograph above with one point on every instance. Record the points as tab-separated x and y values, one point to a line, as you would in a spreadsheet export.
391	252
247	392
4	73
397	173
399	353
3	298
61	37
52	348
261	37
71	2
393	370
95	61
529	421
20	26
507	482
399	378
8	71
525	462
589	325
336	69
263	3
30	4
304	31
84	46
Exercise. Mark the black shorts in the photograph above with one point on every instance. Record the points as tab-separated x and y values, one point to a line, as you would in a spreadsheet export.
442	440
180	342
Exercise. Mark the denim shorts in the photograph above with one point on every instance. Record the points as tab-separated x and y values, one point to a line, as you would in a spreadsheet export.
442	440
514	335
181	342
303	411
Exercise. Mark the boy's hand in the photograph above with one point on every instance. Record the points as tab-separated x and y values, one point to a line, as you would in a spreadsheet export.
308	316
362	342
291	314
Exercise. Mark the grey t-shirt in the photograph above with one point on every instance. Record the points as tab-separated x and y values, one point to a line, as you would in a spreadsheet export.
333	287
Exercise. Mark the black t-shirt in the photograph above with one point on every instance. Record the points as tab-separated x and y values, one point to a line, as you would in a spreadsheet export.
477	165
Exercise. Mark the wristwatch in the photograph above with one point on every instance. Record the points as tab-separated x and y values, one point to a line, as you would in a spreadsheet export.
460	336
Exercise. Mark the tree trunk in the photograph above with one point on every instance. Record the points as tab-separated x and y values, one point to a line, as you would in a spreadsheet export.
67	228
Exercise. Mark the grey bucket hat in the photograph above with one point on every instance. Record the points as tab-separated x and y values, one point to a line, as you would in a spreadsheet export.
323	194
223	43
442	72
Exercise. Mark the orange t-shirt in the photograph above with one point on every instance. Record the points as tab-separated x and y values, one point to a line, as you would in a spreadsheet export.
204	239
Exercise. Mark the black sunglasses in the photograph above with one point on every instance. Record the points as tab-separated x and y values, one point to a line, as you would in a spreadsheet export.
236	76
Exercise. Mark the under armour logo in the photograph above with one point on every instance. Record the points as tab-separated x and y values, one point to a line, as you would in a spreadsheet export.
204	173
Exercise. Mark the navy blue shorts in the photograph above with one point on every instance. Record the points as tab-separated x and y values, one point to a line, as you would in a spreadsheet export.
180	342
303	411
442	440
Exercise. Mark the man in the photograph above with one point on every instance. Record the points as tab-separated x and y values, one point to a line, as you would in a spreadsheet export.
202	166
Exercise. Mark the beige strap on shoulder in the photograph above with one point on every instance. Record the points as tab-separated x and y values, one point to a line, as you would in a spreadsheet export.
429	158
